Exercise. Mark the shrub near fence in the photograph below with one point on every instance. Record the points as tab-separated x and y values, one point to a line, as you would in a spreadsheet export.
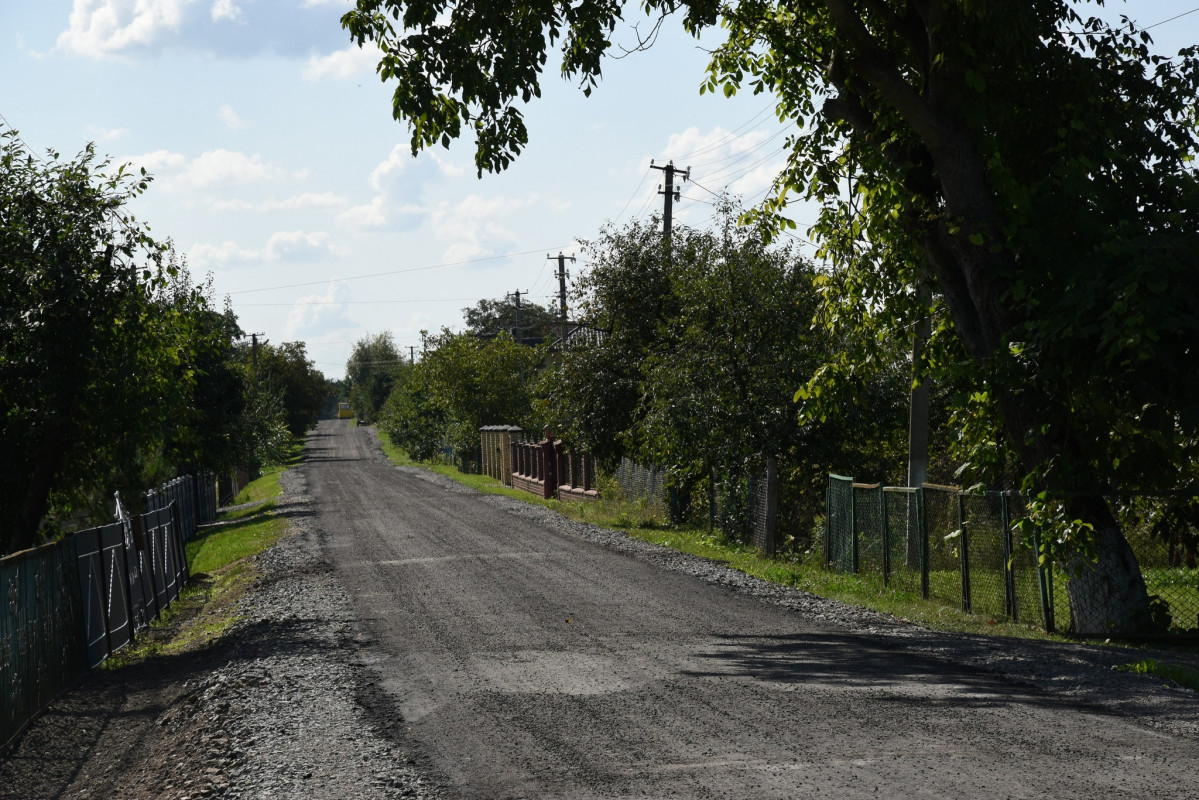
68	605
959	548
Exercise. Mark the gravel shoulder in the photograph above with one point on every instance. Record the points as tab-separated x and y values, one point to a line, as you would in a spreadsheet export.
292	701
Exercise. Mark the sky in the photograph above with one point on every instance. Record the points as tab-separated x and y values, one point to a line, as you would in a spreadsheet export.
279	170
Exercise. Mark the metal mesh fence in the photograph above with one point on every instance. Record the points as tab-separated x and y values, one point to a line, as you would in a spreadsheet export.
905	550
985	542
641	483
1169	559
760	536
839	524
944	545
868	528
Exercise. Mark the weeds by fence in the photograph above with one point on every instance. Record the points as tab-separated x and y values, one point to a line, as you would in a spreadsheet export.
960	548
70	604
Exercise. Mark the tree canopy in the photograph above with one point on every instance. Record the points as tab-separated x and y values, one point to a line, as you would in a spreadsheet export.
1030	163
116	371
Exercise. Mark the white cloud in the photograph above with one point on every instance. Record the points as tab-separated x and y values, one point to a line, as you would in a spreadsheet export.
230	118
384	211
225	9
101	28
473	226
391	166
300	246
320	314
298	202
102	134
210	171
211	256
448	168
352	62
280	247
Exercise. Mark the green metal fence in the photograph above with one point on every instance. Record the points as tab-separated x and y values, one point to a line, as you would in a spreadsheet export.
959	548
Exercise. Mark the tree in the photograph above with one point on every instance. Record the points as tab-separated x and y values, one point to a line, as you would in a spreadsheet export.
301	387
374	368
702	345
81	351
530	324
461	384
1032	165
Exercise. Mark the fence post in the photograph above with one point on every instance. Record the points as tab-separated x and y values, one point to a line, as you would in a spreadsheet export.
853	532
1043	583
1009	575
772	502
923	532
882	504
964	553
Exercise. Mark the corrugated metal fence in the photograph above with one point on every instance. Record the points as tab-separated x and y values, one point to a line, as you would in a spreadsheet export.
70	604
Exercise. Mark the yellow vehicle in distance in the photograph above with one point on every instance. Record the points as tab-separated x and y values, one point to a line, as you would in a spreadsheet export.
344	411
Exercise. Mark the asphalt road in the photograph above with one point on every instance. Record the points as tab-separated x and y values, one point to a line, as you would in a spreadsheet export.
525	662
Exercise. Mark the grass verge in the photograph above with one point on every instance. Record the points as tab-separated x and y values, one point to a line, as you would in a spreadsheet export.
221	561
1183	676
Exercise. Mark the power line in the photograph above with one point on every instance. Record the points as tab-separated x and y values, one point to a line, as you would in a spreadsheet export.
729	136
362	302
390	272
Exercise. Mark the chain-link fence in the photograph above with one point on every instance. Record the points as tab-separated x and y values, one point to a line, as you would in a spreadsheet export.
963	549
640	483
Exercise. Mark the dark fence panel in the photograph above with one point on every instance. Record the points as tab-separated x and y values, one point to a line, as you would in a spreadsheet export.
839	525
41	650
70	605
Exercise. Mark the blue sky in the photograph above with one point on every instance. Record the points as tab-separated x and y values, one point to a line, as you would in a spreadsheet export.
279	169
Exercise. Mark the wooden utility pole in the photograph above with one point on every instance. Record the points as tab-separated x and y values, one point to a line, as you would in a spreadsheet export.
411	354
671	193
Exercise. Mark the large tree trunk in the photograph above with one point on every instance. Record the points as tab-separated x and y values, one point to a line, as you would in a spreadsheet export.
1108	596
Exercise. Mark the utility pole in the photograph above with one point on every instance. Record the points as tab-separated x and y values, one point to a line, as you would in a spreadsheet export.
518	328
671	192
411	354
254	348
562	291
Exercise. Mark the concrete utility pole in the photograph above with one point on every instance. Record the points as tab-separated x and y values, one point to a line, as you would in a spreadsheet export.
671	192
562	291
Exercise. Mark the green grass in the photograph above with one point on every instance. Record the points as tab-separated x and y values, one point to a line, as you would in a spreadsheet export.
221	561
266	485
1183	676
240	537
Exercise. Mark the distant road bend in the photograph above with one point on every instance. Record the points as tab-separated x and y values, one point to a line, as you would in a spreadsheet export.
528	662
